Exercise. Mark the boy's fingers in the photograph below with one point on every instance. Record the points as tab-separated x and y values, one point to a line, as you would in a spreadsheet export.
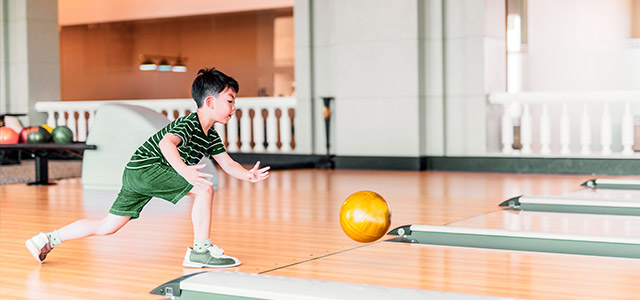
256	166
203	174
198	167
204	182
264	169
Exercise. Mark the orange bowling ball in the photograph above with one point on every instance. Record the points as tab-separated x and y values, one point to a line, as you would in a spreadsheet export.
365	216
8	136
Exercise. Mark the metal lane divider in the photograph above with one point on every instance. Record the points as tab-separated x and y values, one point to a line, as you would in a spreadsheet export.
627	207
628	247
235	285
622	184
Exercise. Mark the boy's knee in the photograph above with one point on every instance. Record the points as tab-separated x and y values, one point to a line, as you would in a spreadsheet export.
199	192
109	227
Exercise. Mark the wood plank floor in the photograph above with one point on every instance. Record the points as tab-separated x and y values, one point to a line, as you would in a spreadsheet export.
289	226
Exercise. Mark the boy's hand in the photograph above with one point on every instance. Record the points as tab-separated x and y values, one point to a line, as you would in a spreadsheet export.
255	174
195	177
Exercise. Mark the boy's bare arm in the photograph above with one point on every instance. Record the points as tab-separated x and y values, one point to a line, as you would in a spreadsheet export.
169	148
236	170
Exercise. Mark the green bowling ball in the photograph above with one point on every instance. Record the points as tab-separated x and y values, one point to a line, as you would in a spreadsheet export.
62	135
41	136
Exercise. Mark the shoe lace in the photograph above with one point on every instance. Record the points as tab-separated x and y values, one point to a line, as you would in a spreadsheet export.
215	250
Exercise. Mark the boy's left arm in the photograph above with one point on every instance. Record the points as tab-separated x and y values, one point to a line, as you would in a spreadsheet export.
236	170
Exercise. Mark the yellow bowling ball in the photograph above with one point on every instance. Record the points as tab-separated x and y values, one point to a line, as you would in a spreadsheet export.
47	127
365	216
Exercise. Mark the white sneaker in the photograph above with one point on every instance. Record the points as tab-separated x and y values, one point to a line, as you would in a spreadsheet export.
213	258
39	246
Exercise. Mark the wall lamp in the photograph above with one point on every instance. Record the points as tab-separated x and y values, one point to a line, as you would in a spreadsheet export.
149	63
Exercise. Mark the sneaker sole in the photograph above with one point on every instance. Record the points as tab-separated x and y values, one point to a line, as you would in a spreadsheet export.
33	249
199	265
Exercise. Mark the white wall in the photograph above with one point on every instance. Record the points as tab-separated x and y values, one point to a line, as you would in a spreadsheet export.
581	45
403	84
73	12
578	45
30	59
365	54
475	64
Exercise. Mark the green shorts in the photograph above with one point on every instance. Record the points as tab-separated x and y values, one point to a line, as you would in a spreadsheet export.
139	185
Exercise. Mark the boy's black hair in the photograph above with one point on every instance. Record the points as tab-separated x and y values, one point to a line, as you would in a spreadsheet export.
210	82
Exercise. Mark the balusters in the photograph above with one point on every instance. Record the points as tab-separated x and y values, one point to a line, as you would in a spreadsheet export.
258	130
627	130
252	115
585	130
51	120
82	127
292	117
279	136
61	120
605	131
526	130
220	129
285	132
171	114
92	115
239	129
507	131
245	132
565	131
232	134
545	130
564	128
261	125
271	131
71	123
265	115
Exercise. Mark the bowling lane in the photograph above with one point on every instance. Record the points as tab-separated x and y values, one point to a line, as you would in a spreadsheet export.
570	223
613	183
604	194
500	273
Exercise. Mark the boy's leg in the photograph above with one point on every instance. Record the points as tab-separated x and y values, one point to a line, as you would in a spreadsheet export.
40	245
201	212
90	227
201	219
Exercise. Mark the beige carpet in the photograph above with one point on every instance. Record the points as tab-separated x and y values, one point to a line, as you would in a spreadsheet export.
25	171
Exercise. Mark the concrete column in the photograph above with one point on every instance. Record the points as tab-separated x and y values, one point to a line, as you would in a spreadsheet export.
431	63
30	60
475	63
365	54
409	78
305	112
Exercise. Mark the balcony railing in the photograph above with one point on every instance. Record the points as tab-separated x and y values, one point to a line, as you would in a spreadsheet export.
569	123
264	124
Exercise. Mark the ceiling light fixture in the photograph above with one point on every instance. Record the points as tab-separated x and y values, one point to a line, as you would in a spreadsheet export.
179	66
164	64
148	65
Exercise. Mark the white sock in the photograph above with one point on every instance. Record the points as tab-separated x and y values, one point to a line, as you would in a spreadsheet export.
54	238
201	246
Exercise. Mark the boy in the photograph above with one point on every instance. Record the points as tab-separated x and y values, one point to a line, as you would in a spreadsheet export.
165	167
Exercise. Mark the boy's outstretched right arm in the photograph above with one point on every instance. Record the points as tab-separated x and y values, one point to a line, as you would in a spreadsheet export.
169	148
236	170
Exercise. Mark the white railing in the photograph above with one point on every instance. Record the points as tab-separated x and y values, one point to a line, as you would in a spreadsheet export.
568	123
262	124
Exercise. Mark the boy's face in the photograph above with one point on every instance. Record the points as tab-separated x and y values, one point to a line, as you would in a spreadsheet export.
224	105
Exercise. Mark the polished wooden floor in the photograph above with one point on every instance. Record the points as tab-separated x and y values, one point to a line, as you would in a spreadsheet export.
288	226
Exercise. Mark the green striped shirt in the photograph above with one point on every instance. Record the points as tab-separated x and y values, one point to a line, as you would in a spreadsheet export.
195	144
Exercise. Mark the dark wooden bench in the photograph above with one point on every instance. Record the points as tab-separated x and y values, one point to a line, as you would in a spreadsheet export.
40	153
